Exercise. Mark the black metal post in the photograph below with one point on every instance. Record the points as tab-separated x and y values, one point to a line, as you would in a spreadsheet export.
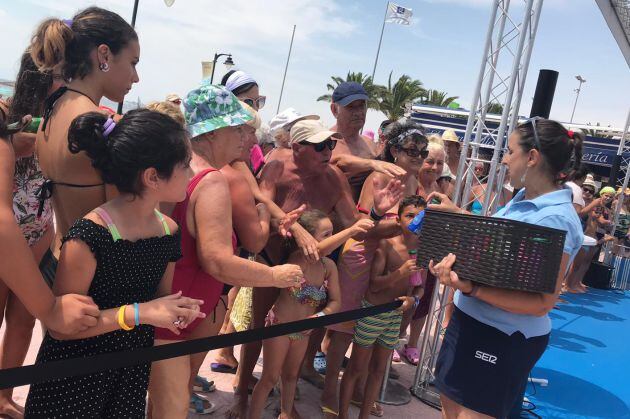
214	64
133	25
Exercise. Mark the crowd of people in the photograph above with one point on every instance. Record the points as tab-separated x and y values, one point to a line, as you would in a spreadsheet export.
191	218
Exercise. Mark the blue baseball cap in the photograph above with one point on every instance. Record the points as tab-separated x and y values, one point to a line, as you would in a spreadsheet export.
347	92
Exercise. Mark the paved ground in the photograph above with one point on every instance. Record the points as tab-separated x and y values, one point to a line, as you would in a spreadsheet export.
308	405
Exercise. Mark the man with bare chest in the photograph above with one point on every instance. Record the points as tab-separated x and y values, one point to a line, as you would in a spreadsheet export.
355	154
307	178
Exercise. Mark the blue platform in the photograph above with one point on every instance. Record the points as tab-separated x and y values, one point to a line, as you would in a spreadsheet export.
587	362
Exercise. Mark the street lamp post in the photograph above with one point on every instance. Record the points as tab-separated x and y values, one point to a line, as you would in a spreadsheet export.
581	80
228	63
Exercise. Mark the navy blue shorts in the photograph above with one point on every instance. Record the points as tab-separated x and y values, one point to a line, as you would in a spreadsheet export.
482	368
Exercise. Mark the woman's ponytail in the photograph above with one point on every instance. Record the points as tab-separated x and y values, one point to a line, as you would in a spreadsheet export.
48	44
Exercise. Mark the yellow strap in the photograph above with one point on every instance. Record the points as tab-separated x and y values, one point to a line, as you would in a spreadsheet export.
167	230
121	319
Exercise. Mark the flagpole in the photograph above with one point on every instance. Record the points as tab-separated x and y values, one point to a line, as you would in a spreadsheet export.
285	70
380	40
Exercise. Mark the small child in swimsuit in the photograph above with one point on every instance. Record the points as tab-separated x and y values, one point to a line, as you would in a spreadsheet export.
319	295
394	276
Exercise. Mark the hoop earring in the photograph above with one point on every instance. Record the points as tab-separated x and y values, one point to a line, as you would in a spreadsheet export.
104	67
524	175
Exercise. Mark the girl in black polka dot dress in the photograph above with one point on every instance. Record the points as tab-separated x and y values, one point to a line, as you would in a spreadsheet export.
122	255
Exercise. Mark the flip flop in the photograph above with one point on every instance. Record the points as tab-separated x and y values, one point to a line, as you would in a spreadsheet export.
202	385
376	410
396	356
328	411
198	405
412	355
222	368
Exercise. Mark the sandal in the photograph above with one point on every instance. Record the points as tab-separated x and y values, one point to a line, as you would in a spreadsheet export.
376	410
396	356
201	385
412	355
328	411
198	405
222	368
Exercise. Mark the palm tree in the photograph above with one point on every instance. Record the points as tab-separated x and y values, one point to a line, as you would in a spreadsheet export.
374	91
437	98
495	108
397	97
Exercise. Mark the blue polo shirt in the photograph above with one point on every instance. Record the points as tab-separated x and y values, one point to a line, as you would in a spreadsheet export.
553	209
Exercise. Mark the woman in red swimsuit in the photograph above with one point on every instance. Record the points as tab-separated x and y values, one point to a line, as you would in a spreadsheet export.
215	118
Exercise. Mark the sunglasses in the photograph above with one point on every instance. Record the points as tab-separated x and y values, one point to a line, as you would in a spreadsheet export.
257	103
414	152
319	147
536	138
589	190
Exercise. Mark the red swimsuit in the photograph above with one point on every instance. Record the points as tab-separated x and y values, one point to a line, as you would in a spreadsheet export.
189	277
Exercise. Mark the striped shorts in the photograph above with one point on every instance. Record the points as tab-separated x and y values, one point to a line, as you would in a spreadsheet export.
383	329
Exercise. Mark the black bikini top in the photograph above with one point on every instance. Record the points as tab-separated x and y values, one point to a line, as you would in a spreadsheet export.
46	190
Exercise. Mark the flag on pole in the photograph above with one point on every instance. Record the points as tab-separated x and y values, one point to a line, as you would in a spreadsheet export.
398	14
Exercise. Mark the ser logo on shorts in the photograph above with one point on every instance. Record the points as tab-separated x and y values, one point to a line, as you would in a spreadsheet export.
486	357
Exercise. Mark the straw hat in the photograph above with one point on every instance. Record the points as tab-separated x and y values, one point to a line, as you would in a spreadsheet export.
449	135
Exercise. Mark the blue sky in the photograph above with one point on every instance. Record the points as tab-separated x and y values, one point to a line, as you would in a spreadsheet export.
442	48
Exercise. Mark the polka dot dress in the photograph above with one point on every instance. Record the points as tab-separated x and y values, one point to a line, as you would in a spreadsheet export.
126	272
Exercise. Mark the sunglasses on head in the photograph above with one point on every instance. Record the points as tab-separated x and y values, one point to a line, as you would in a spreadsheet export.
536	138
319	147
257	103
414	152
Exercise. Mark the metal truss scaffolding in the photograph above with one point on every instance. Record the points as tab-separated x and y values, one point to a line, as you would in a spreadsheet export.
508	47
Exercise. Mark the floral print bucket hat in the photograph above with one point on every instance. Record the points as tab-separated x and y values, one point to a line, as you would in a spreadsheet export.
210	107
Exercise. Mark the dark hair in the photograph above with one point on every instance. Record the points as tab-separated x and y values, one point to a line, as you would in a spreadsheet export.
579	173
140	140
239	89
31	90
415	200
560	152
54	42
384	124
310	218
396	128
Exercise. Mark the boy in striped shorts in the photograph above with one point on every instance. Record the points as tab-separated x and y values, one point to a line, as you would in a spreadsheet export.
394	276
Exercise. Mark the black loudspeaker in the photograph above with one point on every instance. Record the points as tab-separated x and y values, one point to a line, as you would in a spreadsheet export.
598	275
545	89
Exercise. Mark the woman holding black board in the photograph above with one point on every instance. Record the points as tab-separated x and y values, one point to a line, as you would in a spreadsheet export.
496	336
